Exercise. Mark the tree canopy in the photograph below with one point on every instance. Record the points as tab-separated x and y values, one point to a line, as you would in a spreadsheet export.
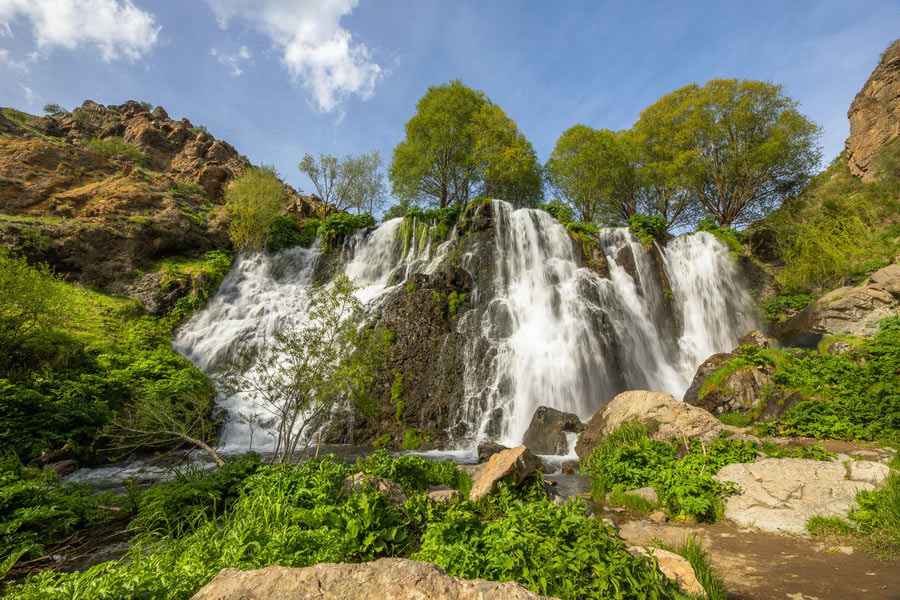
459	145
354	182
737	146
253	201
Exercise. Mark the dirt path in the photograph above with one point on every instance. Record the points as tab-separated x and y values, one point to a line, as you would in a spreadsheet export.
766	566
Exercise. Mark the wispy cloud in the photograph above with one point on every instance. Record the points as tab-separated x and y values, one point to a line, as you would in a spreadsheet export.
116	28
29	94
315	48
233	60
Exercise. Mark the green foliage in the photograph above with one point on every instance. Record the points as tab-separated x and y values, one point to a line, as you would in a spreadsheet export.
561	212
186	187
411	287
52	108
342	225
411	440
851	396
747	357
352	182
737	147
815	452
582	228
618	497
628	458
820	526
878	517
736	419
648	228
174	508
36	511
253	201
116	147
840	227
439	221
454	301
691	548
285	232
460	144
777	308
727	235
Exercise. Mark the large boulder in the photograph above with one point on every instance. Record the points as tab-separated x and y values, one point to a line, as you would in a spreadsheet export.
516	464
388	578
547	432
663	415
853	310
875	114
782	494
674	567
741	390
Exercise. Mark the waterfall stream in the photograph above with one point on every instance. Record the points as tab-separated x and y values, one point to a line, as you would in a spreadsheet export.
543	329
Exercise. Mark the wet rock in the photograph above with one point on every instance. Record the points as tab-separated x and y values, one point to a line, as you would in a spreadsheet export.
443	493
547	432
515	464
875	114
388	578
781	495
663	415
360	481
487	449
674	567
63	467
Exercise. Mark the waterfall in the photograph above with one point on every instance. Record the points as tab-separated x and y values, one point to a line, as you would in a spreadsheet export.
542	328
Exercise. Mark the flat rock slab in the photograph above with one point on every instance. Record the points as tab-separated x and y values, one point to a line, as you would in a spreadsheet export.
782	494
385	578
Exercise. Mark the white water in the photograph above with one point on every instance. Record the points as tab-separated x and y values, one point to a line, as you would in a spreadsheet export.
542	329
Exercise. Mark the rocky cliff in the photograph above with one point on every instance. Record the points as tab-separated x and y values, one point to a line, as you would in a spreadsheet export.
875	113
104	191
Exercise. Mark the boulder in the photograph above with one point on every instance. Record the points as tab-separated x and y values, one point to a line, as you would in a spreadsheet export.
360	481
443	493
487	449
754	338
63	467
875	114
868	471
706	368
782	494
663	415
547	432
516	463
389	578
741	390
674	567
852	310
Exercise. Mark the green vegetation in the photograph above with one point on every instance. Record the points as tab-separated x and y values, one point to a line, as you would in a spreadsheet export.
52	108
289	231
21	119
779	307
878	517
459	145
691	548
342	225
253	201
201	275
296	515
186	187
648	228
437	223
354	182
727	235
411	440
840	227
618	497
629	458
116	147
821	526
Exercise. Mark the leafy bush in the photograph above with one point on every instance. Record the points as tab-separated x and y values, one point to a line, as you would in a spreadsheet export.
627	457
36	511
777	308
878	517
342	225
116	147
560	211
253	201
439	220
579	228
648	228
285	232
295	516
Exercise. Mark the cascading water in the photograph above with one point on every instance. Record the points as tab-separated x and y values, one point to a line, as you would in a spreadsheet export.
542	329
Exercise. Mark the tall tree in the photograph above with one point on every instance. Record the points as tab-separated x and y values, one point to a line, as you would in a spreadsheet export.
739	147
253	202
590	171
354	182
458	145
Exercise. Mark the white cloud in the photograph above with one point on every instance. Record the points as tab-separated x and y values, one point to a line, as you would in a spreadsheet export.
315	48
116	28
233	60
29	94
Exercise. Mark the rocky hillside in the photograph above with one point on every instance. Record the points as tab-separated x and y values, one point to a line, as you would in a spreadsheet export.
103	192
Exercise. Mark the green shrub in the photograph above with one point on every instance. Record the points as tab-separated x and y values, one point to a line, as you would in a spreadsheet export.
648	228
561	212
878	517
618	497
439	220
820	526
342	225
777	308
254	200
116	147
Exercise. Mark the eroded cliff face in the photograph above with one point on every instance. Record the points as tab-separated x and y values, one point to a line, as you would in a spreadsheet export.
875	114
98	219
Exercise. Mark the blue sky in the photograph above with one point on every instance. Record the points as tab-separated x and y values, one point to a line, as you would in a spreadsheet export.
279	78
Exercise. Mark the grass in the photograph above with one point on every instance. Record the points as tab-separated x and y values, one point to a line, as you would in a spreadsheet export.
116	147
878	517
736	419
691	548
824	526
618	497
50	220
21	119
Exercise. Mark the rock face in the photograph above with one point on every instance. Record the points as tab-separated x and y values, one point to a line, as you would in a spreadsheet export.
781	495
98	219
515	463
674	567
853	310
665	416
547	432
875	113
388	578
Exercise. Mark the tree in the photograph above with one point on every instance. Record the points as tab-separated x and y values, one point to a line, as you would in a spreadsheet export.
590	171
308	370
353	182
30	306
738	147
52	108
253	201
459	145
